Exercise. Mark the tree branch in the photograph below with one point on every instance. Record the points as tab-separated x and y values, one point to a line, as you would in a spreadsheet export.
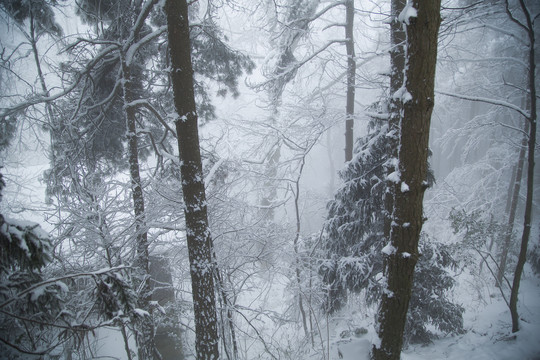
487	101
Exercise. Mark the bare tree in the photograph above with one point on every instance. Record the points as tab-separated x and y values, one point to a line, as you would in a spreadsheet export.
528	27
521	13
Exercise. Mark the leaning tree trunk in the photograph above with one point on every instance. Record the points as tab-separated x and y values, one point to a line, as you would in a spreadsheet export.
530	168
199	241
418	100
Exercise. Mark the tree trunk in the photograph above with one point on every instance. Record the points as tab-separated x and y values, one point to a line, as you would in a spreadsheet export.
199	241
530	168
168	336
513	207
296	20
144	325
296	248
397	63
351	75
418	101
227	318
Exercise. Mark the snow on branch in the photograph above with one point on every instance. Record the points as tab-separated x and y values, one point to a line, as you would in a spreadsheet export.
212	172
323	11
493	59
34	100
295	66
408	12
60	279
143	15
487	101
135	47
146	104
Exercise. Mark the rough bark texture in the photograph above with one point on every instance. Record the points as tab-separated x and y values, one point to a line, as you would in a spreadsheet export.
407	222
397	63
199	241
530	168
351	74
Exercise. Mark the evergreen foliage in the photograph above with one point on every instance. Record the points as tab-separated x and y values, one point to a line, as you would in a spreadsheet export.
24	250
534	258
8	125
43	308
24	246
40	11
354	243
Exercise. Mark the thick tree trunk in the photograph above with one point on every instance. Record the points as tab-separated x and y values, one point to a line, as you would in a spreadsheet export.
418	101
530	168
397	64
351	75
199	241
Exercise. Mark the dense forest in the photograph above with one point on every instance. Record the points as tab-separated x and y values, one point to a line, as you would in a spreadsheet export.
273	179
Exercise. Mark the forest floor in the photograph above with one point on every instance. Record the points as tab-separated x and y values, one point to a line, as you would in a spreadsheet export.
487	323
488	335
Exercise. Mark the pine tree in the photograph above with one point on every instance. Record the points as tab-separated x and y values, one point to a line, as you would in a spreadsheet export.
199	240
360	218
354	242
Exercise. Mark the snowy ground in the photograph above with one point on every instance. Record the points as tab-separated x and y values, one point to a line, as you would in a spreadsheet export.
487	321
488	334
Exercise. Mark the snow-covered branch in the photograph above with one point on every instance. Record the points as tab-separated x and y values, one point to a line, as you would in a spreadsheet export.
34	100
487	101
146	39
60	279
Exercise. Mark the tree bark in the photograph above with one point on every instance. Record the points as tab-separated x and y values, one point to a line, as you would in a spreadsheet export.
516	186
351	75
530	167
145	327
422	31
199	241
397	64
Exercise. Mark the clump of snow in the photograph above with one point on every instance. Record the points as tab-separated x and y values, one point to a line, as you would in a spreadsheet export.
389	249
394	177
63	287
37	293
141	312
402	94
407	13
404	187
406	97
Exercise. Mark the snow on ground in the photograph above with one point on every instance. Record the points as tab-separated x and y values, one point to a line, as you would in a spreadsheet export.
486	320
488	336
